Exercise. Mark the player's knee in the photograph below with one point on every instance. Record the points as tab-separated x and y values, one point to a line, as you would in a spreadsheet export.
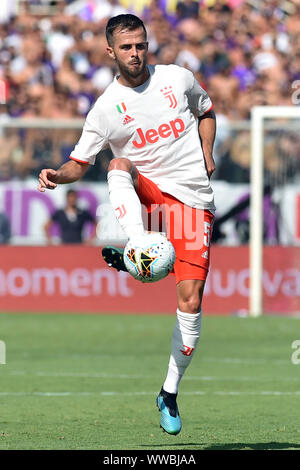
190	304
120	164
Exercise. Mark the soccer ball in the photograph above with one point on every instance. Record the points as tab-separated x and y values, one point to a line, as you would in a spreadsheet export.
149	257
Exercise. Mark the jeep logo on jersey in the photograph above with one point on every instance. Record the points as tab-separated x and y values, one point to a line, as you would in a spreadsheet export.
164	131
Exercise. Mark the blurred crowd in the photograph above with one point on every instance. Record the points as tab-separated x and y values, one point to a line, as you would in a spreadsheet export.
53	64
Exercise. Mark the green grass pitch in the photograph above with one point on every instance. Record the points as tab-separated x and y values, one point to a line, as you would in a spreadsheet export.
90	382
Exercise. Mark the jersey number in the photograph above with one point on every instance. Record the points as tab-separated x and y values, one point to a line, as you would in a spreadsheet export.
206	240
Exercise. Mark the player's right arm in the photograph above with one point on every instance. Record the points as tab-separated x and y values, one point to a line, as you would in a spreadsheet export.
67	173
93	139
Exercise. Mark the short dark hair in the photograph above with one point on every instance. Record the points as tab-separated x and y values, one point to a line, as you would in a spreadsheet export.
128	21
71	191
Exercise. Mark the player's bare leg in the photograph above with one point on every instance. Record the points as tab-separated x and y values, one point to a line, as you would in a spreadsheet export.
124	164
189	295
184	342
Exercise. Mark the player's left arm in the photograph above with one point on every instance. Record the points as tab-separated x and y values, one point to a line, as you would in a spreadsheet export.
207	133
201	106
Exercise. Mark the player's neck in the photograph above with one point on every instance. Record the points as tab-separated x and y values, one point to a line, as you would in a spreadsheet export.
133	82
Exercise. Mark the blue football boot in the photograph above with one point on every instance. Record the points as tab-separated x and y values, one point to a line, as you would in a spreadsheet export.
169	419
113	256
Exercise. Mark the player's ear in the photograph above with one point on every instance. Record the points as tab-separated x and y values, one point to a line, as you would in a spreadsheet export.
110	52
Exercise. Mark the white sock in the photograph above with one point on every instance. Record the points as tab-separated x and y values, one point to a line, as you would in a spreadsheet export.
184	342
125	202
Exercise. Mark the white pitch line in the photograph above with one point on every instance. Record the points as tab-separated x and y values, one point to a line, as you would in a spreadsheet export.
134	394
216	360
99	375
234	360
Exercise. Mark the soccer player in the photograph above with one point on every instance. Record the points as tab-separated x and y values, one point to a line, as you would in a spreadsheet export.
160	126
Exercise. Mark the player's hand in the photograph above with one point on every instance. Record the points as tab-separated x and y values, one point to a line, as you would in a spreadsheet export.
46	180
210	165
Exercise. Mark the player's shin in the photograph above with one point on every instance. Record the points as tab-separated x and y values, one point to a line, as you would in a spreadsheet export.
125	202
185	338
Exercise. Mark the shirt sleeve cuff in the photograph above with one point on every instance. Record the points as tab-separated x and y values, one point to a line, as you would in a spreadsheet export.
77	160
209	109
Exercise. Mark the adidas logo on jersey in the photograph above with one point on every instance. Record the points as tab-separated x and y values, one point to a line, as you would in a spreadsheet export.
127	119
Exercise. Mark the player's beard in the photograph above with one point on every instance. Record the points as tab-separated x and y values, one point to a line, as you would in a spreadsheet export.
130	71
